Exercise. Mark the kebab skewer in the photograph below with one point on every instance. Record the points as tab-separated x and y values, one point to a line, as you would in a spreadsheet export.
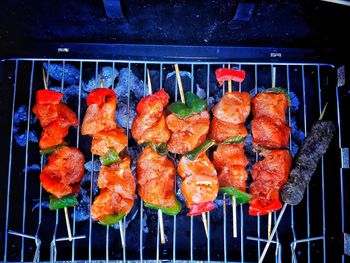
155	171
228	130
270	137
65	168
190	123
305	163
115	179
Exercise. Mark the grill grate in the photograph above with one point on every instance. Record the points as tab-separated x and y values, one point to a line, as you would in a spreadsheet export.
28	233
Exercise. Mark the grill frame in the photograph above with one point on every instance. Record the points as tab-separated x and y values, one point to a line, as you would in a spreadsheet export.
260	240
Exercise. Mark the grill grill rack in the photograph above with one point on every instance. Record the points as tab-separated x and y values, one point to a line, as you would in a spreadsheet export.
259	239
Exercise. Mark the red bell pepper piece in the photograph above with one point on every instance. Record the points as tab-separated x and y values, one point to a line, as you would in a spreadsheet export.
145	103
100	96
45	96
198	209
256	210
224	74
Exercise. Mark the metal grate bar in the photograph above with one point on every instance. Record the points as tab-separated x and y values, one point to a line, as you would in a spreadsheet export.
208	213
10	163
26	160
320	107
191	217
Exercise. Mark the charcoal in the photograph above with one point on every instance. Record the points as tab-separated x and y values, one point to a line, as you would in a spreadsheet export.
136	85
44	204
108	76
71	73
202	93
170	83
201	78
298	134
97	165
71	93
20	126
122	114
310	153
82	210
33	167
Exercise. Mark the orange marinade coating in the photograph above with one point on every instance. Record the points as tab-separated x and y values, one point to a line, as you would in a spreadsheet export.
269	133
272	105
269	175
47	113
230	155
104	141
233	176
200	183
100	117
234	107
117	190
188	133
222	130
156	178
63	172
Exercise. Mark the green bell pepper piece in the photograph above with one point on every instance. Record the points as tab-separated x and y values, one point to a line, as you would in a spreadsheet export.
194	102
161	148
110	158
231	140
192	155
193	105
172	211
110	220
66	201
241	197
48	151
280	90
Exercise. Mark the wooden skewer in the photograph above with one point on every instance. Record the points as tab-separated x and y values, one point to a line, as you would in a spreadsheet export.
121	230
234	216
102	84
160	213
182	95
68	224
205	223
179	82
44	79
161	226
269	219
234	203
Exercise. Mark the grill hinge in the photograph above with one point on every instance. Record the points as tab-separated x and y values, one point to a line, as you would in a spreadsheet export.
344	154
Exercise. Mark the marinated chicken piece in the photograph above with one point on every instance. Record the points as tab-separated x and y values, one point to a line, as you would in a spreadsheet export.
156	179
272	105
117	190
48	113
269	133
150	128
234	107
233	176
63	172
187	133
269	175
200	182
222	130
100	117
230	155
54	134
104	141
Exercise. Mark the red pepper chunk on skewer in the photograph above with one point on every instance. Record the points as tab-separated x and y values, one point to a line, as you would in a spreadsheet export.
224	74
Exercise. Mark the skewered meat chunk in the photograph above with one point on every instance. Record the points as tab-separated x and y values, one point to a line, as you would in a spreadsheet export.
305	163
222	130
268	177
234	107
187	133
100	117
104	141
200	182
63	172
230	155
233	176
272	105
156	178
117	190
270	133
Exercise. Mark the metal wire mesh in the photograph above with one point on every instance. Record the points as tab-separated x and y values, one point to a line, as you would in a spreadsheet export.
297	228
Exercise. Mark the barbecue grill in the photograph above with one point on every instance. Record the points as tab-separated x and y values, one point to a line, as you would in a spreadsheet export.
315	230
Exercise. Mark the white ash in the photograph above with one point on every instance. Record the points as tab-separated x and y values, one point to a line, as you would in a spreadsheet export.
122	86
71	74
108	76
